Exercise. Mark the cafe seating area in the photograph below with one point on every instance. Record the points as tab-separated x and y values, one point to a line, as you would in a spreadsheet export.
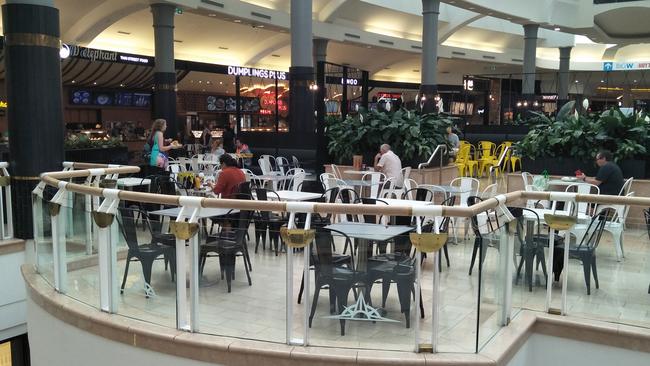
366	261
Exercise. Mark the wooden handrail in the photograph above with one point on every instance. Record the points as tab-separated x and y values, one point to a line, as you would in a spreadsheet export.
54	178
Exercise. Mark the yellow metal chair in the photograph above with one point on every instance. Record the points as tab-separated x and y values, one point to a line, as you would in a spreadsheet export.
487	155
465	161
485	168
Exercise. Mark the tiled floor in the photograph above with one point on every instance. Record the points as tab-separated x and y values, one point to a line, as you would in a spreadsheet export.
258	311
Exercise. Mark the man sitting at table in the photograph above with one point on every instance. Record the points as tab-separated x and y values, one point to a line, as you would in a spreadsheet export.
230	177
609	178
388	163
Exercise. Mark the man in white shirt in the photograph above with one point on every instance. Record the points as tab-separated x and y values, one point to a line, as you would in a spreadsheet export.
388	163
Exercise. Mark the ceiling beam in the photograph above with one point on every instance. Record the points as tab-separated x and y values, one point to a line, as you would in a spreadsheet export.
330	10
454	25
99	19
265	48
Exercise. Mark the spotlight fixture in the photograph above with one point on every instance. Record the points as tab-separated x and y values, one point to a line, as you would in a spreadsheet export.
556	28
237	20
518	104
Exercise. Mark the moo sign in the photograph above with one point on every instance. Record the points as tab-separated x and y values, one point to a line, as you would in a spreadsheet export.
260	73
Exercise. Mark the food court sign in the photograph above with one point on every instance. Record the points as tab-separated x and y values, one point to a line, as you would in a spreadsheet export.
260	73
93	54
617	66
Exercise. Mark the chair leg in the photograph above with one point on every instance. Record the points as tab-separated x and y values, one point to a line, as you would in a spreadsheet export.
146	269
586	268
302	288
474	251
594	270
126	272
315	301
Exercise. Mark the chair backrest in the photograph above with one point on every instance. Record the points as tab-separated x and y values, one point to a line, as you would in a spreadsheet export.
439	193
295	184
528	181
469	187
406	173
419	194
594	231
128	227
489	191
336	171
283	164
626	187
408	184
265	166
582	188
331	195
372	219
387	189
374	179
325	180
325	265
295	162
487	149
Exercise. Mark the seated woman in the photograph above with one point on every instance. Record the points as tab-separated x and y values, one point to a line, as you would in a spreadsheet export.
217	147
229	179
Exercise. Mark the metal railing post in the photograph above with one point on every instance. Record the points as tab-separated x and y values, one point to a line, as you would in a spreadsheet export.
58	218
443	149
104	218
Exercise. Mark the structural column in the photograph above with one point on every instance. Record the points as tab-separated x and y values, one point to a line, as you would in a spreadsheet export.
429	83
34	110
301	73
563	76
164	100
530	55
320	56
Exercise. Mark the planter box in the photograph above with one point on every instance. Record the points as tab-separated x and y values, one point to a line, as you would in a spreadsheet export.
109	155
558	166
568	166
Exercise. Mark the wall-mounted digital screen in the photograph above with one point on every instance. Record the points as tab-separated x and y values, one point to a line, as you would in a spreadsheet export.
81	97
124	99
141	99
103	99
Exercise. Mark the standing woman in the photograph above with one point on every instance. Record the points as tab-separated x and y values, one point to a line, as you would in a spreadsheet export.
157	143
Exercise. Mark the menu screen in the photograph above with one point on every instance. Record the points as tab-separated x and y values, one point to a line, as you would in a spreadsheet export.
80	97
124	99
141	99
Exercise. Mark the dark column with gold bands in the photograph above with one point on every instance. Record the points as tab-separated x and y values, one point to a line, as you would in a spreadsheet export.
301	73
164	96
34	109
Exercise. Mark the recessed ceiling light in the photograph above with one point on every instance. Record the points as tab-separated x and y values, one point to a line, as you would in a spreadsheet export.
577	81
602	81
94	83
124	32
556	28
223	48
368	46
178	41
509	18
73	81
274	55
635	81
471	8
200	81
221	83
237	20
212	15
121	84
208	82
258	26
233	83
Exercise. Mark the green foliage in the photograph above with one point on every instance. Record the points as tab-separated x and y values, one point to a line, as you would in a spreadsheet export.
81	141
410	134
580	137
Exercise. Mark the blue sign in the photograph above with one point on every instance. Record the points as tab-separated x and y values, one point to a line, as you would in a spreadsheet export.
608	66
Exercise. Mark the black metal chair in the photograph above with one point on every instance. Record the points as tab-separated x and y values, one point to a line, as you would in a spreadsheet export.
266	220
145	253
421	194
485	238
338	278
531	246
585	251
228	248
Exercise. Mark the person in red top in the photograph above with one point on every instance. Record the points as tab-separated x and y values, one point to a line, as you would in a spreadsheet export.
230	177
